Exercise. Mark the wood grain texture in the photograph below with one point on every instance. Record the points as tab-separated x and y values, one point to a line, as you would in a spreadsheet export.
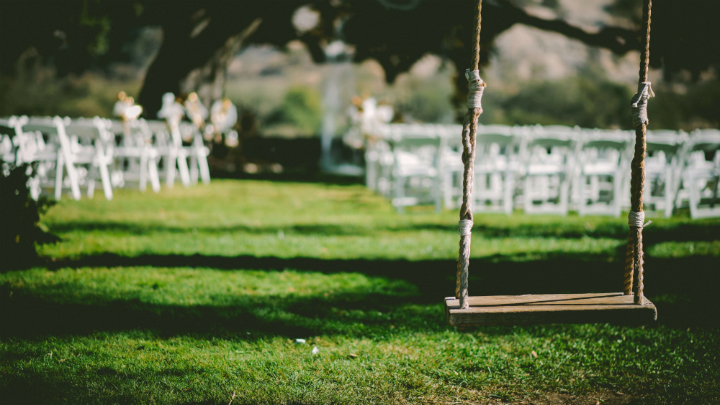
550	308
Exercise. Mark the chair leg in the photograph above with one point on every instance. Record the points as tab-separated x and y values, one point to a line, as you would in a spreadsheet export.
74	183
194	166
594	189
582	204
617	190
447	198
91	188
693	196
59	167
437	194
508	193
204	168
564	195
668	192
153	172
184	172
399	194
143	171
527	195
171	161
370	169
105	178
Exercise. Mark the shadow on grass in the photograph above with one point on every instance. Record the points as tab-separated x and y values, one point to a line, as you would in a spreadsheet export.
684	288
293	176
682	232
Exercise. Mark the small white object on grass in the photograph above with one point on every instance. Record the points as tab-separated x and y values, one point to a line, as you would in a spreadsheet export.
315	350
300	341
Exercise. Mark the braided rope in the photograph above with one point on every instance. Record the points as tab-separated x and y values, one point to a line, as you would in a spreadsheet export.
634	256
629	263
469	133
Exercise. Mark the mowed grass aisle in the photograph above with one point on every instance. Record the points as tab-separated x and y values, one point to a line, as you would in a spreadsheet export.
193	295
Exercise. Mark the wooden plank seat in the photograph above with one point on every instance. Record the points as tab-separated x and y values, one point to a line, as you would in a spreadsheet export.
550	308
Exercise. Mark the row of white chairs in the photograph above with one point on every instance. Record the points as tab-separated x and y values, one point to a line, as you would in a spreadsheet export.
545	169
70	154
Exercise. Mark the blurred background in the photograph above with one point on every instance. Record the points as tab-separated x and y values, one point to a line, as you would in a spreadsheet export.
293	67
291	276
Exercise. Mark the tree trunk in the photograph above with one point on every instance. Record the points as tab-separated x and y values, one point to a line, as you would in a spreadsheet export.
170	67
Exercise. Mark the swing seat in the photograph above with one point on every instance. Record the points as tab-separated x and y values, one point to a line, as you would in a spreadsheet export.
550	308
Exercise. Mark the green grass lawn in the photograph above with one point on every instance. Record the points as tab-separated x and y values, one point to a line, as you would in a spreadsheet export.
194	295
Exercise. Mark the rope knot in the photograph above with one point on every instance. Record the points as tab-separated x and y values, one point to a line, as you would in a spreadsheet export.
476	87
639	104
637	220
465	227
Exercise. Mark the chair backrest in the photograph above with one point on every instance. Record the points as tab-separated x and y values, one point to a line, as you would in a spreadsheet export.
550	145
415	141
666	141
116	127
92	131
605	139
157	126
706	140
83	129
46	127
501	135
552	136
452	134
409	135
54	128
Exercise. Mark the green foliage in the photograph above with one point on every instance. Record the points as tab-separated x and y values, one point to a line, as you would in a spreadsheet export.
189	295
426	99
697	105
301	107
427	104
39	92
20	227
96	23
578	100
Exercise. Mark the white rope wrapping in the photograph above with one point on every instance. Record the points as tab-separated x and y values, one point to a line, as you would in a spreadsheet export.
465	227
637	220
639	104
476	87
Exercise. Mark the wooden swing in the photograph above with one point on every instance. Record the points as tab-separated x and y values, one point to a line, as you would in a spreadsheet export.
627	307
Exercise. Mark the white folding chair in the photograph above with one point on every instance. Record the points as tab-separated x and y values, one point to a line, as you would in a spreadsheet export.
416	171
92	146
701	173
496	167
548	170
174	154
136	157
603	161
662	168
58	152
451	165
7	133
197	152
21	147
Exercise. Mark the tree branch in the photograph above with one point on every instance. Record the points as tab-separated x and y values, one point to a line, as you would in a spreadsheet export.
617	39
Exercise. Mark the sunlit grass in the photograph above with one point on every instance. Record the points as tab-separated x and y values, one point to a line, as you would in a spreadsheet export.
191	295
